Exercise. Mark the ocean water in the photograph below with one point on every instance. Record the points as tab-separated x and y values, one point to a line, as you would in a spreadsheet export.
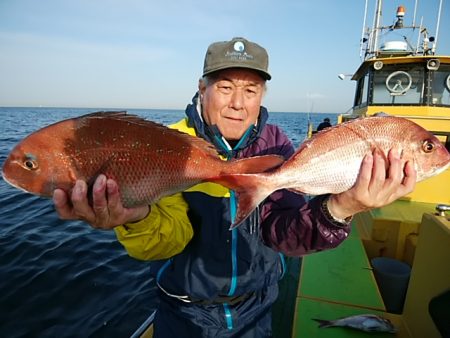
63	278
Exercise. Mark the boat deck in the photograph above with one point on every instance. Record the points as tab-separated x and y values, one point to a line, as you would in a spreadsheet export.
338	283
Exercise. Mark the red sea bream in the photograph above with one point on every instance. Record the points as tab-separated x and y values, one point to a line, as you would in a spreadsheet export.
147	160
330	161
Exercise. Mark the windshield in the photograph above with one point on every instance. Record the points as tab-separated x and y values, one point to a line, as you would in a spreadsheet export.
406	84
440	84
399	85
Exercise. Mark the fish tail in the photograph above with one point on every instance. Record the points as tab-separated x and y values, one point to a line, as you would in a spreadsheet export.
253	165
251	190
323	322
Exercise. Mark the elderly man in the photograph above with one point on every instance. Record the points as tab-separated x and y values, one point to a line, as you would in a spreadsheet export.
214	282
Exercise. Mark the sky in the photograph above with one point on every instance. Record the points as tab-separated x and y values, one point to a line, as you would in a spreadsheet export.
149	54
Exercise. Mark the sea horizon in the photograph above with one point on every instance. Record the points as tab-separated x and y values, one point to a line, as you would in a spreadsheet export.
153	109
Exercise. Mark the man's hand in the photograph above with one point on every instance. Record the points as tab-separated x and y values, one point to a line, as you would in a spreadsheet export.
107	210
378	184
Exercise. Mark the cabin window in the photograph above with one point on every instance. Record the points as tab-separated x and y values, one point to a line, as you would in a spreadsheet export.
362	91
440	86
398	85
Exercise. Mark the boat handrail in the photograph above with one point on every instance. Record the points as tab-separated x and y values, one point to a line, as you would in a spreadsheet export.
419	117
144	326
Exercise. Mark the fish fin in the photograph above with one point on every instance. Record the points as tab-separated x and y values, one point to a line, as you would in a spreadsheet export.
138	120
298	191
104	169
254	165
110	114
323	323
251	190
122	116
90	187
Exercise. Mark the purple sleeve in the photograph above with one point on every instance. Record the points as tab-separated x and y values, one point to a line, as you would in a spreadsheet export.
296	227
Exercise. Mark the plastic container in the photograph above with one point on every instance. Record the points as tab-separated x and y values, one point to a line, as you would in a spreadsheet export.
392	277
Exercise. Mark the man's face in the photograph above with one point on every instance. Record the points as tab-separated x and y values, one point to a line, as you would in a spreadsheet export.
232	101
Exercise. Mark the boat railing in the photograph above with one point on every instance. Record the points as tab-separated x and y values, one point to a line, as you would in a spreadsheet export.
144	326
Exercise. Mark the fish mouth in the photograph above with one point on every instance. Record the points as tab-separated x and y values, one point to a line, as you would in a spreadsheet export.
15	185
444	167
439	170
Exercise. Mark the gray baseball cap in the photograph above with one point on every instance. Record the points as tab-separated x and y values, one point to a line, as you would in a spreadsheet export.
237	53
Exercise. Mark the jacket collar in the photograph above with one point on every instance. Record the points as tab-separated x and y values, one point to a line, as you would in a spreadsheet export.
213	135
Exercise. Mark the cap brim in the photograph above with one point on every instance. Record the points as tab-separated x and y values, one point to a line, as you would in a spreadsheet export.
263	73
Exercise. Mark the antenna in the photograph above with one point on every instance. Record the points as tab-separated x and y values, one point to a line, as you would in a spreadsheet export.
418	35
414	17
437	27
361	44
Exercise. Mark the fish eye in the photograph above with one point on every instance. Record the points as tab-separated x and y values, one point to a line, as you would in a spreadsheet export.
428	146
30	164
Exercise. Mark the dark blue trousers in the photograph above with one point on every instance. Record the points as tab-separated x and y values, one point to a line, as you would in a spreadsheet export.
251	318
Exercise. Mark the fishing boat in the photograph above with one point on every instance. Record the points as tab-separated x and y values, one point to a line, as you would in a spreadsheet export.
395	263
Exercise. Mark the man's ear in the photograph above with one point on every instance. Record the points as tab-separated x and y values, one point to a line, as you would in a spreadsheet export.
201	87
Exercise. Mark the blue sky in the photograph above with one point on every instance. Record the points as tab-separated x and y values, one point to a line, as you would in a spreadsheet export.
149	54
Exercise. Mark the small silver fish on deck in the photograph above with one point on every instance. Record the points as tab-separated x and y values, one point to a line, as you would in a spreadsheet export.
365	322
